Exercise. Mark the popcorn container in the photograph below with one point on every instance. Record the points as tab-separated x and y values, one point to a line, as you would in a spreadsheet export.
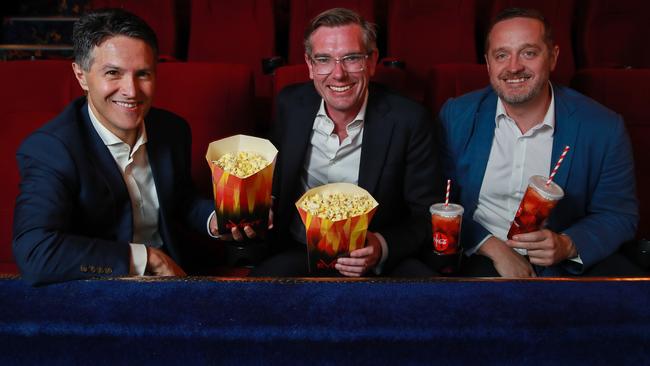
327	240
242	201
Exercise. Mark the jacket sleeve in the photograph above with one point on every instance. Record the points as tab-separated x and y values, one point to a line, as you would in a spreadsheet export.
45	248
612	210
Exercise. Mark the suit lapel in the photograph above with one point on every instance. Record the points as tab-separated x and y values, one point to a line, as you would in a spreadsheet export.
479	143
108	170
566	133
298	134
377	133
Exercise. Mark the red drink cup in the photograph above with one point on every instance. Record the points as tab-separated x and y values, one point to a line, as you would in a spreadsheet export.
445	222
536	205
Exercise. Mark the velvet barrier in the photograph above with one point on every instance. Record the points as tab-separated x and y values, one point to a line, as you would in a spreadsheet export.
199	321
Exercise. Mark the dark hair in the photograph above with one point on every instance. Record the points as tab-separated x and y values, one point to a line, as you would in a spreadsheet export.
511	13
338	17
93	28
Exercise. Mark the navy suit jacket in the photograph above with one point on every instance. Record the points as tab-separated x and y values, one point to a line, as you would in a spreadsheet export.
399	165
599	210
73	215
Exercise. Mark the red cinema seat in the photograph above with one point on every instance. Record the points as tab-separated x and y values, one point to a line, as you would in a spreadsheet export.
215	99
422	33
230	31
452	80
559	13
615	34
161	16
626	92
303	11
34	92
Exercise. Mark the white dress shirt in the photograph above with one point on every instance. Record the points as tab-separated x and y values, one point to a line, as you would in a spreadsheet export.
136	172
329	160
514	158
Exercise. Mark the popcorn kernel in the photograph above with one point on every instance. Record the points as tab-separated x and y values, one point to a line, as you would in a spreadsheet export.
242	164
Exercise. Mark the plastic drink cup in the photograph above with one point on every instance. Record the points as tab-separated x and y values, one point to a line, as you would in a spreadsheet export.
535	206
445	223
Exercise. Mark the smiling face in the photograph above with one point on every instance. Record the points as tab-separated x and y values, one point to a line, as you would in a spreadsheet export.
120	84
520	61
344	92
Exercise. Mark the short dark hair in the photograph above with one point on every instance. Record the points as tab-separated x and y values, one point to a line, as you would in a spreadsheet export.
511	13
338	17
93	28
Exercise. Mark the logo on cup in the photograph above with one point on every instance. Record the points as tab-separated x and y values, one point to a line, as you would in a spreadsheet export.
440	241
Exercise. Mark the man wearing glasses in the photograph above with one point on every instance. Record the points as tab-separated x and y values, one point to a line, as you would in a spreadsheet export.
341	128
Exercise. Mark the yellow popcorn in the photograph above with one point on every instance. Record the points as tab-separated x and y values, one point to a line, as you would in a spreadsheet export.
242	164
337	206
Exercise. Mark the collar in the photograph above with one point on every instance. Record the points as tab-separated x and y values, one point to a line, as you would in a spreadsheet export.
357	121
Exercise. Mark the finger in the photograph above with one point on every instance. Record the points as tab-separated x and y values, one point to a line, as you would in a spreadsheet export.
270	219
528	245
250	233
350	274
352	261
538	235
236	234
363	252
351	269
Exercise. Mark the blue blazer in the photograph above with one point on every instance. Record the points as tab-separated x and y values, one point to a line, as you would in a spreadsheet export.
399	165
599	210
73	216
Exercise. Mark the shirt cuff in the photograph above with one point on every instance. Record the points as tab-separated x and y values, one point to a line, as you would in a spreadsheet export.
138	259
384	253
207	225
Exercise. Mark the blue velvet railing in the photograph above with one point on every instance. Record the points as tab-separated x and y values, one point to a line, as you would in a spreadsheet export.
217	321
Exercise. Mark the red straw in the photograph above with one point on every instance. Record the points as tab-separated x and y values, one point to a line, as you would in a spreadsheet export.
557	166
447	195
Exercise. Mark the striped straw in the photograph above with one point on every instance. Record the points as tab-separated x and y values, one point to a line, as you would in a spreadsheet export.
447	194
557	166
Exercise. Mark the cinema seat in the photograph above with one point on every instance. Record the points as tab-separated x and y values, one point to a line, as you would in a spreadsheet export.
302	11
234	32
34	92
216	100
560	14
452	80
423	33
626	92
615	34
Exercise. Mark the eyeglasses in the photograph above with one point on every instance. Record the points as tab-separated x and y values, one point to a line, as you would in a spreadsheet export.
324	65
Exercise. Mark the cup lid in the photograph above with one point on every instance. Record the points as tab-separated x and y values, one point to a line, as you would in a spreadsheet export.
450	210
550	192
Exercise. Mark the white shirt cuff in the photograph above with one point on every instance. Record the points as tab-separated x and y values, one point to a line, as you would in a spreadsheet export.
473	251
138	259
384	253
207	225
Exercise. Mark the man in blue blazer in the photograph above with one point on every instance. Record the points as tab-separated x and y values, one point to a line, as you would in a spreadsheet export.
103	183
497	137
338	129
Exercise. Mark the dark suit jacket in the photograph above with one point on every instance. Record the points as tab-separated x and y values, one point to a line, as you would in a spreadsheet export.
73	215
399	164
599	210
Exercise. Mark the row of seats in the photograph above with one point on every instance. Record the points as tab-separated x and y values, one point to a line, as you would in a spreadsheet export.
217	100
420	33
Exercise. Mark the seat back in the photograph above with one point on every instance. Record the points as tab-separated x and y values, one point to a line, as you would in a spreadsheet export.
615	34
234	31
626	92
216	100
452	80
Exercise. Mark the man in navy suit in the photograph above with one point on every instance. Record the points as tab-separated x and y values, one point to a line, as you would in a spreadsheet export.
497	137
103	183
340	129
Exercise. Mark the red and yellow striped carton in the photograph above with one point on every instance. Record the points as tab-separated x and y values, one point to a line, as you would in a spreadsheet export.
338	235
242	201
